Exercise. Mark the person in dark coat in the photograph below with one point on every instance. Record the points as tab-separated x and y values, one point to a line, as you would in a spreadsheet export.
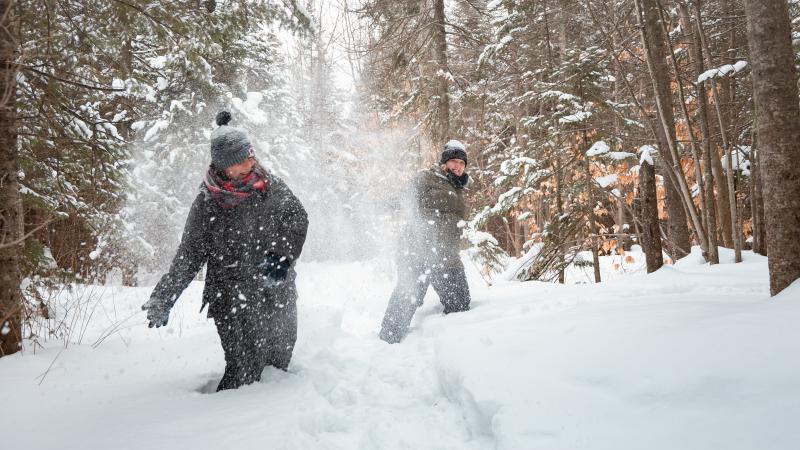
249	229
429	254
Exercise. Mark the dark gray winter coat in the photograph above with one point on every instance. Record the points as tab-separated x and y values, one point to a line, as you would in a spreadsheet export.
233	242
437	207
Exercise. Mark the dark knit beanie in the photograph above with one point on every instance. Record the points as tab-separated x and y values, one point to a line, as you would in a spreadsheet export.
453	150
229	145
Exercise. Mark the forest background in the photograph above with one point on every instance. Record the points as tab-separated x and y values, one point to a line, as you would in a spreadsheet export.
592	127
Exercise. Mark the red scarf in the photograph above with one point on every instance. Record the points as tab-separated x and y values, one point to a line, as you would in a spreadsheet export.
229	193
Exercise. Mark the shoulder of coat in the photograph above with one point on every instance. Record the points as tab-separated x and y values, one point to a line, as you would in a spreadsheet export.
424	173
277	185
433	173
204	200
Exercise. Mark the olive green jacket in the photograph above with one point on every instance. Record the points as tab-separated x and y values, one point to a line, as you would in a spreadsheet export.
437	207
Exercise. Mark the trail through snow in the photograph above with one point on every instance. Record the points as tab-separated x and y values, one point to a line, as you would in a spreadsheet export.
691	357
147	388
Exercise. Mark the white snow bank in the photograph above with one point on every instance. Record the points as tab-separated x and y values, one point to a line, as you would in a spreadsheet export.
148	388
692	356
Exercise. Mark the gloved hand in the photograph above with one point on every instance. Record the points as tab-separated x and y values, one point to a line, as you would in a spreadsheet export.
157	312
274	270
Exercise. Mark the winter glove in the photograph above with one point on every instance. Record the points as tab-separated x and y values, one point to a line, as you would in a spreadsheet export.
274	270
157	312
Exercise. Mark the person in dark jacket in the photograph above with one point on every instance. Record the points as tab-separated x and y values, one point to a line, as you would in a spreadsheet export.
429	254
249	229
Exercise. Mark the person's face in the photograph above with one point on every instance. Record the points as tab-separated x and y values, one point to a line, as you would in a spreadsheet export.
241	170
456	166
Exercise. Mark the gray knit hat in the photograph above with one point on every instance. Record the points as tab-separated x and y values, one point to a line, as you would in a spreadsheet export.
453	149
229	145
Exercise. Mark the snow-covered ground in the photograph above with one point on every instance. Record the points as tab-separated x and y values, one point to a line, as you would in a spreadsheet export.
690	357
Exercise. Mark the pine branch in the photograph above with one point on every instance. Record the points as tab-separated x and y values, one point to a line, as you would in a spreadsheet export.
71	82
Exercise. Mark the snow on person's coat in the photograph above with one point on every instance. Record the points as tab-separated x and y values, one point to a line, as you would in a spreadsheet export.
233	242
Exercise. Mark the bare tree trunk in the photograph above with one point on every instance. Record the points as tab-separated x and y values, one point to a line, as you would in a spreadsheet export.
10	211
595	252
440	54
677	240
775	93
709	213
560	210
757	202
652	32
678	244
619	217
651	239
562	19
724	217
731	114
696	154
729	213
512	235
594	239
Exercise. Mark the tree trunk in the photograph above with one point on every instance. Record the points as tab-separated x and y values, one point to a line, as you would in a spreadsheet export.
10	217
560	211
594	239
653	42
689	41
724	217
443	72
709	214
757	202
651	234
726	200
775	94
678	243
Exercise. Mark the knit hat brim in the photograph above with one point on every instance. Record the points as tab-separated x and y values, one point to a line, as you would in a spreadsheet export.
453	149
229	146
453	153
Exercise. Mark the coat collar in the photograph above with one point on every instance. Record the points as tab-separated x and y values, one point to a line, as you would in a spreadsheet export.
441	174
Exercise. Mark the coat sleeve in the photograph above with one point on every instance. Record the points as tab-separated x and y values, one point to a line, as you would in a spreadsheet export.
192	254
293	226
422	187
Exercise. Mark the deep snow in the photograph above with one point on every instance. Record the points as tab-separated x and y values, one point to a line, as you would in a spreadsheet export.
690	357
